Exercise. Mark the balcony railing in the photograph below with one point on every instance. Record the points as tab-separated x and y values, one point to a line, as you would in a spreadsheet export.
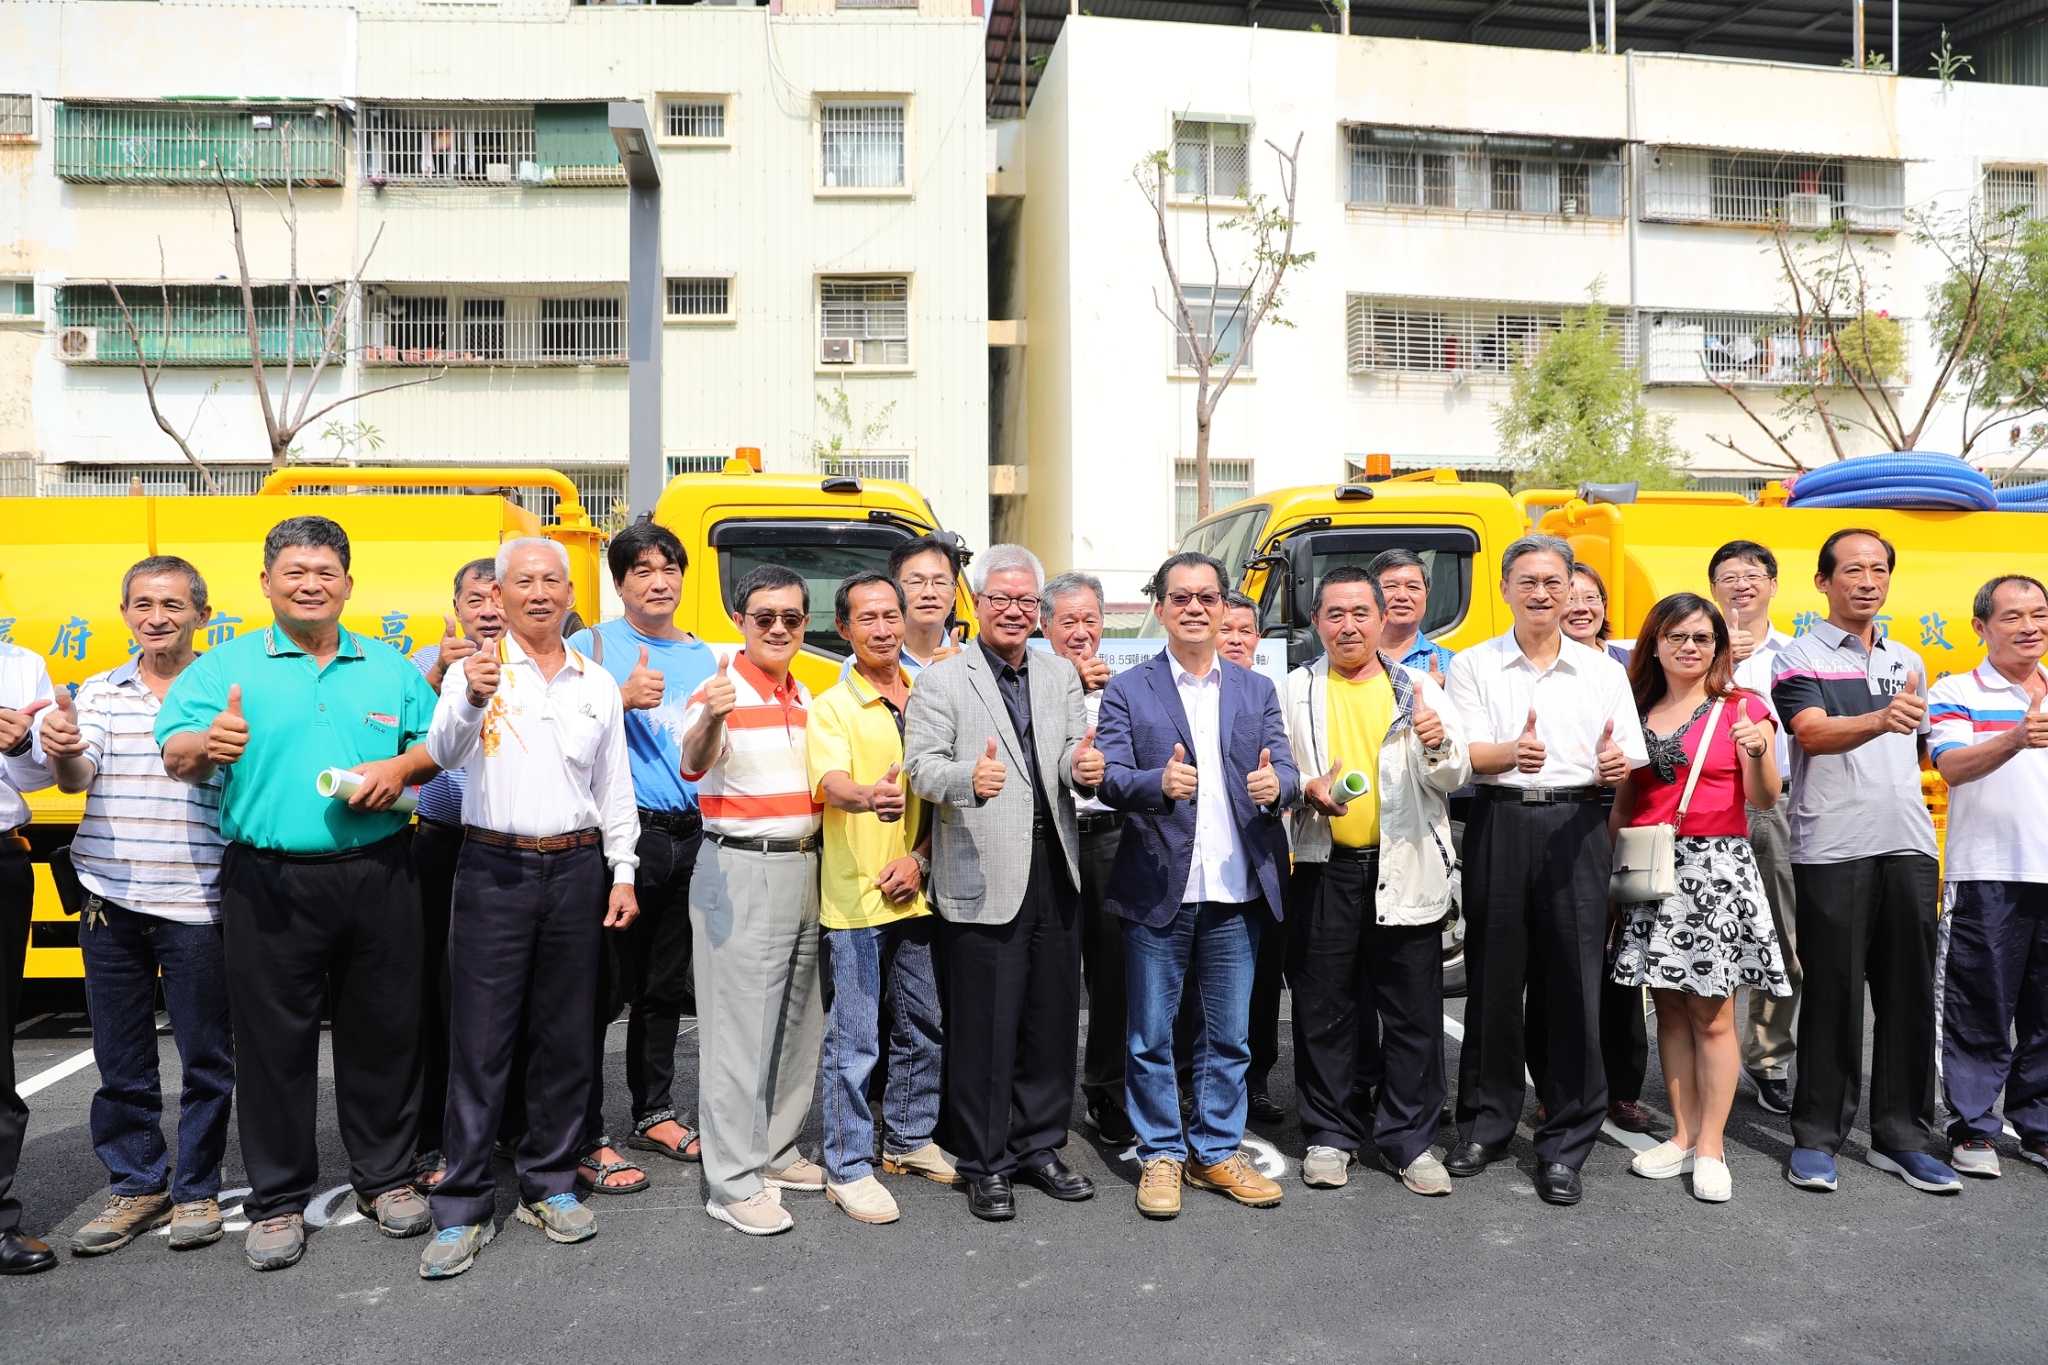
199	144
438	330
506	144
207	325
1761	349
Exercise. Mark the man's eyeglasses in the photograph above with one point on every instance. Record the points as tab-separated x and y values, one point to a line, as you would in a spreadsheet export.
1741	580
1002	602
922	582
1700	640
1180	597
792	621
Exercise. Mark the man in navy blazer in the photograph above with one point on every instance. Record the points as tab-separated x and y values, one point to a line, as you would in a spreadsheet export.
1195	752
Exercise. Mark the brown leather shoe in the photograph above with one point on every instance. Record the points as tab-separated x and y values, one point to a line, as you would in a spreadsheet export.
1239	1179
1159	1188
1628	1116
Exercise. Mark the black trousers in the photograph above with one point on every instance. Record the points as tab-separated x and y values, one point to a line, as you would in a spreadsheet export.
525	931
1013	1000
648	967
1268	975
434	851
1350	974
1102	968
1867	920
349	924
1536	919
1624	1038
17	902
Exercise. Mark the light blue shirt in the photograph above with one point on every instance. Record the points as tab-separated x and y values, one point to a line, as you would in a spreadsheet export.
654	739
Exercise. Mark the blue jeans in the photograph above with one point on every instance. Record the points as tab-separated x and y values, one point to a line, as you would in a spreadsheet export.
896	957
123	953
1220	942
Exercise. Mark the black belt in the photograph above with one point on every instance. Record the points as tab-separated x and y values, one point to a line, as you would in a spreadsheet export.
340	855
13	841
1346	853
1540	796
441	830
1097	821
808	844
534	843
685	822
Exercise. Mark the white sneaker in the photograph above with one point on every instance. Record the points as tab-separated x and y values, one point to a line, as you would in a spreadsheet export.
865	1200
758	1215
1710	1182
1663	1161
1324	1167
801	1174
1976	1157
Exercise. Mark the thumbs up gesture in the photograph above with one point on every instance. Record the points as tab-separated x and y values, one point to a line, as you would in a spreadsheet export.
1740	642
642	690
1613	762
1429	726
1262	783
1318	791
455	647
61	738
15	725
949	645
228	736
1089	763
885	798
480	676
2030	733
1530	754
1094	671
1749	736
1907	709
1178	779
989	773
719	693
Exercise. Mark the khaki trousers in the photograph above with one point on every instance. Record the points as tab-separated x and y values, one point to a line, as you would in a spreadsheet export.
1767	1043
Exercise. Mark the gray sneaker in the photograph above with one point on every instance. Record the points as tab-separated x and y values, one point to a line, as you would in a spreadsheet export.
402	1212
1976	1157
195	1223
276	1243
1426	1175
563	1217
1325	1168
126	1217
453	1250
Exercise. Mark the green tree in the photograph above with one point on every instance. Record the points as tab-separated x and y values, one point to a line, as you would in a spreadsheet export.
1576	412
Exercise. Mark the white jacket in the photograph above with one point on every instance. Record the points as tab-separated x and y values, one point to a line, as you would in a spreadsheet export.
1416	860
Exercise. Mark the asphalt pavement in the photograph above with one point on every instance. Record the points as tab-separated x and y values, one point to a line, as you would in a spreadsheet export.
1640	1272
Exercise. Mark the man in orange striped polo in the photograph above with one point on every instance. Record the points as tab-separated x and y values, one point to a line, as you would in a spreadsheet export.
754	910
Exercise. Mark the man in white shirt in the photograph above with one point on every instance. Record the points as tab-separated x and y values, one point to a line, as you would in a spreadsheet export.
1551	724
547	807
1744	578
24	691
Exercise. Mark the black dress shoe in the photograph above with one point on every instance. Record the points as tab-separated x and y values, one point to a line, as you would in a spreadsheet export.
1557	1183
1773	1093
1112	1125
1059	1180
1470	1158
991	1198
21	1254
1263	1110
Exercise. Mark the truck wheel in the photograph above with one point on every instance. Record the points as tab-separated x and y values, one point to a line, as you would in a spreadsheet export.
1454	922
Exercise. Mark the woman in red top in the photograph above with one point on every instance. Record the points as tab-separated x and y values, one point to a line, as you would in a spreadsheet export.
1695	948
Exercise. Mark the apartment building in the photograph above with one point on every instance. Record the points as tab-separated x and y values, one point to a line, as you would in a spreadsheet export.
823	221
1458	199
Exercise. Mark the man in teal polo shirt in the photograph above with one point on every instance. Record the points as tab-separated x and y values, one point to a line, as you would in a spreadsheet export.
313	889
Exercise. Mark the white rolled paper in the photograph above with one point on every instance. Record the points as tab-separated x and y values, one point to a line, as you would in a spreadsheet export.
341	784
1352	784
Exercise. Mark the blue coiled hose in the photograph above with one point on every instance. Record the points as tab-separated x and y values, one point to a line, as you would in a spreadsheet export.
1905	479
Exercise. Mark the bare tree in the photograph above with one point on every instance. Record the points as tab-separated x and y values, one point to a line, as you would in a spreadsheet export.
1270	233
151	374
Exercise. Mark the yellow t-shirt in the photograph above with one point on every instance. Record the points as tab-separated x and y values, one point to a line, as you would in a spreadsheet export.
1359	714
850	730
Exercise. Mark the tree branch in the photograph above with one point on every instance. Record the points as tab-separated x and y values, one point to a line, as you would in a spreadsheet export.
149	377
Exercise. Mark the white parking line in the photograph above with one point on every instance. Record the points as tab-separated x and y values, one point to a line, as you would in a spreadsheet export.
43	1080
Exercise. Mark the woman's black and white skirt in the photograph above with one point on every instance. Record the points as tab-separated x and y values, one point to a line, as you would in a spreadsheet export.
1713	936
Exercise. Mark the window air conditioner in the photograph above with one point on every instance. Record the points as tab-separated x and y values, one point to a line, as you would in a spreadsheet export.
837	351
498	173
77	345
1808	212
533	173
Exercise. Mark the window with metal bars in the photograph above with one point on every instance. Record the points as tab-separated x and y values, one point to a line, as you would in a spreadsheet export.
1220	315
17	118
706	296
207	325
1805	193
1418	168
179	143
1768	349
694	116
1452	336
864	321
443	325
861	144
1230	481
453	144
1211	159
2011	191
581	328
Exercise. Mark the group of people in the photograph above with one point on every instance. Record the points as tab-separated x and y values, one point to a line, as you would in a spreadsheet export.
890	896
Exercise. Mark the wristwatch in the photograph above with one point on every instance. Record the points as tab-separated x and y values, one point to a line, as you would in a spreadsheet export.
924	866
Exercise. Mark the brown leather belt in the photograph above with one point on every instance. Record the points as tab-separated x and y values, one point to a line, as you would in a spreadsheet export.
530	843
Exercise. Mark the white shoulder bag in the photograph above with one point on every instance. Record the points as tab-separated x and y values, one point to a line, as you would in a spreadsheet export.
1646	856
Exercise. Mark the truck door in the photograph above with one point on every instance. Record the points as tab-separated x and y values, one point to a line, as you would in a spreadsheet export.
1286	610
822	549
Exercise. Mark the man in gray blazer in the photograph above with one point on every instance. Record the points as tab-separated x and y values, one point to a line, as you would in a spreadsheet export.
990	737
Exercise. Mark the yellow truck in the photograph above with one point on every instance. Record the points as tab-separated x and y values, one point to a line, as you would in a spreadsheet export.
61	565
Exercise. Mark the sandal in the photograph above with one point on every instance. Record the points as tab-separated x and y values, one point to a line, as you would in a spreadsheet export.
428	1170
640	1142
600	1184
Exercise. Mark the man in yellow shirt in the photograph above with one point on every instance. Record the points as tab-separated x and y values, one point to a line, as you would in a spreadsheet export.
878	929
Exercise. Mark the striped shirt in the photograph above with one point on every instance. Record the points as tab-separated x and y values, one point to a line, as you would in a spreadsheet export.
147	841
440	796
759	786
1995	832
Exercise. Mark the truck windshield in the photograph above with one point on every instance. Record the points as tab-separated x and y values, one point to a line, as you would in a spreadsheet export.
824	550
1446	553
1230	539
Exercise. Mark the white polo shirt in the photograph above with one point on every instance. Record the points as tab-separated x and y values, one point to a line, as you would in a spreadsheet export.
1995	828
1494	685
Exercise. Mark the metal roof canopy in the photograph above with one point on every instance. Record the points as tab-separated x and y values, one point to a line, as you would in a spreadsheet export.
1804	32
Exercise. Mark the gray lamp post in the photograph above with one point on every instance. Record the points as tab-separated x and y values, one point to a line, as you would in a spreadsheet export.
645	476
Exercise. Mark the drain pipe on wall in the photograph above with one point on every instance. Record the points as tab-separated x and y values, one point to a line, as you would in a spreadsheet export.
1634	153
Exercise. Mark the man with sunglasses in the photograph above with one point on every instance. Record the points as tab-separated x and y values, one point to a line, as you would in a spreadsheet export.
754	910
991	736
